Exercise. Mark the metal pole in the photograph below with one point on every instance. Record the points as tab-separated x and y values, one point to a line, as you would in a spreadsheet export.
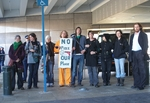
44	58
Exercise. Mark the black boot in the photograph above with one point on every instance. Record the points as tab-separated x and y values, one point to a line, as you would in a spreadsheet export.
118	82
122	82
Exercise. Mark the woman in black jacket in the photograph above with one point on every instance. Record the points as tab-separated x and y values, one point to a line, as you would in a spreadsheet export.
120	49
106	59
92	46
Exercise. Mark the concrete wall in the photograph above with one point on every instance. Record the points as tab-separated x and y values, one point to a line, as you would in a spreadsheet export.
54	24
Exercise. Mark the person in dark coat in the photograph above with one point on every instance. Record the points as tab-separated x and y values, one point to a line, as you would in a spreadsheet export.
17	53
106	59
2	57
120	48
138	55
92	46
25	64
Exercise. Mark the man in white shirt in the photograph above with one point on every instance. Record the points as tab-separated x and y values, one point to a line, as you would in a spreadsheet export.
138	55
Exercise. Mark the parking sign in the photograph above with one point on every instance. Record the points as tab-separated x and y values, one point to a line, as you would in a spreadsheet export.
42	2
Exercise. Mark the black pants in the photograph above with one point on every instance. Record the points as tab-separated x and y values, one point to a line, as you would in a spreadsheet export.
106	70
19	78
138	70
33	72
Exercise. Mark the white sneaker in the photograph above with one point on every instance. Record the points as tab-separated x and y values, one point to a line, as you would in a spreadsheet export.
47	84
51	85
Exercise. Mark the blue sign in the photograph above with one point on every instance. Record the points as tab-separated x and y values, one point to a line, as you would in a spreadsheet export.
42	2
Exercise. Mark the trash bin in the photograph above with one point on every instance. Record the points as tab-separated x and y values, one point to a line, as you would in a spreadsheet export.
7	90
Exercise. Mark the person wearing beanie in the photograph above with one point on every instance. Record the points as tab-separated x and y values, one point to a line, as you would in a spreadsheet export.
120	49
106	59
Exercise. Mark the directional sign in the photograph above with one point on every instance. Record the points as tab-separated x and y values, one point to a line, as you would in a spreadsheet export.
42	2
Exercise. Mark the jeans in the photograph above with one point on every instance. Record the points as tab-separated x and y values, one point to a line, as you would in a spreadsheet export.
76	59
119	64
13	78
25	66
49	72
106	71
93	75
1	64
33	72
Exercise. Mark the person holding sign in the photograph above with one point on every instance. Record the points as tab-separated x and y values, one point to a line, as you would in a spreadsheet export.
79	42
92	46
64	73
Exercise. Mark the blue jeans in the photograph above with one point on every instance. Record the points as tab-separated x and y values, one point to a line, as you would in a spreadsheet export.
119	64
93	75
1	64
77	59
25	66
49	72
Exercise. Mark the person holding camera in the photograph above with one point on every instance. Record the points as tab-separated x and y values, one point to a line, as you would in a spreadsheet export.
33	49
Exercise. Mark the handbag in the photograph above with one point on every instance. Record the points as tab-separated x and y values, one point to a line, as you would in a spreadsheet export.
36	56
10	63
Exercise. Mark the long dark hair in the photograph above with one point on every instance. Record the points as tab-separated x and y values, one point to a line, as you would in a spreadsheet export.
76	30
141	27
33	35
116	38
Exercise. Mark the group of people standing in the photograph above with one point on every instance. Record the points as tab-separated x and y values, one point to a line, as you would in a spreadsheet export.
29	54
25	55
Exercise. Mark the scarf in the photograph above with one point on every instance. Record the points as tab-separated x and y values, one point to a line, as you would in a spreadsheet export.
16	45
49	47
78	36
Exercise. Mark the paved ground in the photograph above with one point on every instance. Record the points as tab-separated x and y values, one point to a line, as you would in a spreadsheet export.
65	94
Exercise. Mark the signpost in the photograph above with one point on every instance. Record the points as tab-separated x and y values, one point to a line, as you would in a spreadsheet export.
43	3
65	53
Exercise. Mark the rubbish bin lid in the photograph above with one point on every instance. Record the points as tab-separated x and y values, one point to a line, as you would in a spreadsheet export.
6	68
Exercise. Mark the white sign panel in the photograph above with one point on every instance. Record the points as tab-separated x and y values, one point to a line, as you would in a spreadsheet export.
65	53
